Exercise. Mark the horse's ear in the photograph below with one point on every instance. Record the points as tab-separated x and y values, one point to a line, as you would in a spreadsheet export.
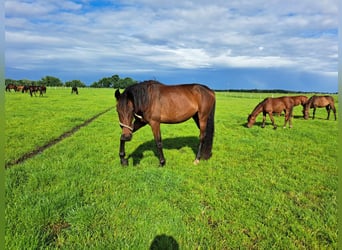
117	94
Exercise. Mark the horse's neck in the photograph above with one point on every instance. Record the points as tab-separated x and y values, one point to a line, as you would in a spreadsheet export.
258	109
310	103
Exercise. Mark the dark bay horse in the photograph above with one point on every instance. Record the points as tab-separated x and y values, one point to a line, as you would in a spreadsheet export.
320	102
153	103
74	90
272	105
34	89
11	86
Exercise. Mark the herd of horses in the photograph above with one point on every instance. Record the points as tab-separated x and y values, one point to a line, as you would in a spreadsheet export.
153	103
277	105
32	89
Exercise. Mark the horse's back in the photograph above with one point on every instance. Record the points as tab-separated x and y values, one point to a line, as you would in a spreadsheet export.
278	104
321	101
178	103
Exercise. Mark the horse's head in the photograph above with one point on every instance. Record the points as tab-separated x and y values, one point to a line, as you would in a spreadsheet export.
250	121
125	110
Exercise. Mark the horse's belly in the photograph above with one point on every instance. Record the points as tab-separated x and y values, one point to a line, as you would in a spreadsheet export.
177	114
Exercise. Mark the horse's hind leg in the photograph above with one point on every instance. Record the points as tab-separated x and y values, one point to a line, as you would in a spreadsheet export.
334	110
313	113
328	108
196	119
288	118
202	125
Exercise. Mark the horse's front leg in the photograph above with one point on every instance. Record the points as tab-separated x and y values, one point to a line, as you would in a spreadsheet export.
157	138
272	120
263	119
124	162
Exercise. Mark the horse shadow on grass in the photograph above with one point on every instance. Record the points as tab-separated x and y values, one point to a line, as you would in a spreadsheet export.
168	143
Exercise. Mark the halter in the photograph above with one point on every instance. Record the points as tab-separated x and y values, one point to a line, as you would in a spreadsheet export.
129	127
126	126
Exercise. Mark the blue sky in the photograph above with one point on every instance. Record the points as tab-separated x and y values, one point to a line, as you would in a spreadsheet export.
240	44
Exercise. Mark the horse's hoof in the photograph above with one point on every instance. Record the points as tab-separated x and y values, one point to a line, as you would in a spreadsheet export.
124	162
196	161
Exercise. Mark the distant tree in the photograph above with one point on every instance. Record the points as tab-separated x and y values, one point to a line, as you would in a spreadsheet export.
124	83
94	85
102	83
10	81
19	82
50	81
74	83
27	82
113	82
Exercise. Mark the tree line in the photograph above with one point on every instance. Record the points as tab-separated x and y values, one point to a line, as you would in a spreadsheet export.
107	82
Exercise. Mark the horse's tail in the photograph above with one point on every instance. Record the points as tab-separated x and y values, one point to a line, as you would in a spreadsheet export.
209	135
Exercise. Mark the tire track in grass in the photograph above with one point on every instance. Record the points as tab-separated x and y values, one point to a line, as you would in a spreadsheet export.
53	142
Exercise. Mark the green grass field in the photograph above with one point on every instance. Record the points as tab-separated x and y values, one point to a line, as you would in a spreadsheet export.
262	189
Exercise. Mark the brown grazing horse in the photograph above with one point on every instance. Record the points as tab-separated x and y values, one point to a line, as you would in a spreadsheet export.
272	105
11	86
300	100
153	103
20	88
33	89
320	102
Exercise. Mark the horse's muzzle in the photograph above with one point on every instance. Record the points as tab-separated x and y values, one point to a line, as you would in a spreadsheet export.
126	137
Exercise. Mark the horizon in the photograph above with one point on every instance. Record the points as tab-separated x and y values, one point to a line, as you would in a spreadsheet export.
225	45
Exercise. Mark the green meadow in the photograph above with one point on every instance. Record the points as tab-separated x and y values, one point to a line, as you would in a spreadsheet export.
262	188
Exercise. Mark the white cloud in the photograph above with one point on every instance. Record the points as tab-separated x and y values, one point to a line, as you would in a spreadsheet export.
179	34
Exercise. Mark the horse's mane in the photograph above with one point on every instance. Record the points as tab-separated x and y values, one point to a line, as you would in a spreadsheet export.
139	94
258	107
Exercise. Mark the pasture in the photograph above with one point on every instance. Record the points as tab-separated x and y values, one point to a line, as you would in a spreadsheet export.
262	188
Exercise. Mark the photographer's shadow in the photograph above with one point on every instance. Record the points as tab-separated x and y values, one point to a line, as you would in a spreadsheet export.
164	242
168	143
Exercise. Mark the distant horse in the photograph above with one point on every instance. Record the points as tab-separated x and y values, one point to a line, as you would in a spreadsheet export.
42	89
74	89
300	100
272	105
153	103
25	89
319	102
11	86
34	89
20	88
